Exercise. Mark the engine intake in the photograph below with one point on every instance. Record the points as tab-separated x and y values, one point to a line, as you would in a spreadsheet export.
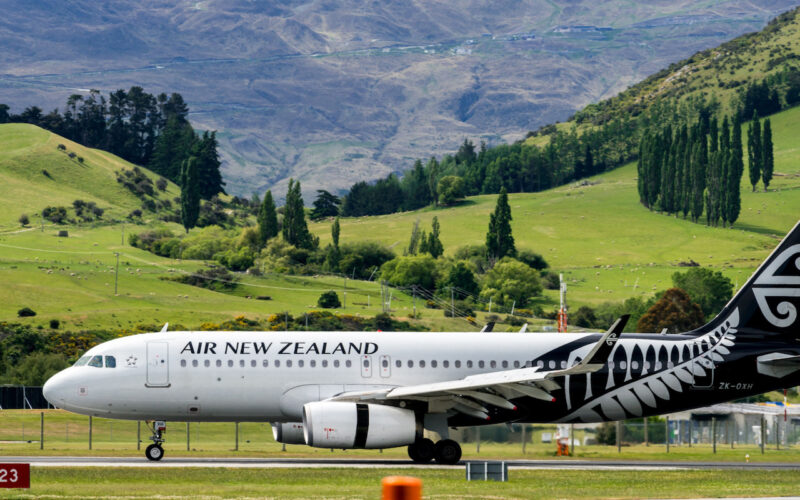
288	432
344	425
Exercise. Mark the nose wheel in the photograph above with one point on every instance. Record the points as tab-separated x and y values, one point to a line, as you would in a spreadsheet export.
155	452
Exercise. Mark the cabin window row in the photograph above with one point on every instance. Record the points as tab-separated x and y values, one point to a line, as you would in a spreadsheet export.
266	363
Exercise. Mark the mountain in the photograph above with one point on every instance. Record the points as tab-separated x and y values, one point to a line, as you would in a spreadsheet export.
335	92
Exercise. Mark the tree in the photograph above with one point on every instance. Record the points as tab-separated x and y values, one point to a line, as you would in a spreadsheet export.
434	246
499	240
755	156
209	178
172	147
36	368
768	163
733	203
461	277
711	290
334	254
511	281
414	241
584	317
295	229
326	205
329	300
674	311
419	270
451	189
267	219
190	194
335	230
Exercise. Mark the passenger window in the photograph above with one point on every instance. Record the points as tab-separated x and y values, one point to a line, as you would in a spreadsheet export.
516	364
219	363
253	363
300	363
410	364
366	363
563	364
385	363
324	363
288	363
241	363
111	362
469	364
277	363
96	361
458	364
422	363
446	364
434	364
183	363
623	365
493	364
540	364
265	363
336	363
398	363
481	364
348	363
230	363
207	363
551	364
505	364
312	363
194	363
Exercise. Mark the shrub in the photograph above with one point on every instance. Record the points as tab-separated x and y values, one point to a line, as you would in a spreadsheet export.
46	174
329	300
24	220
54	324
62	147
26	312
161	184
56	215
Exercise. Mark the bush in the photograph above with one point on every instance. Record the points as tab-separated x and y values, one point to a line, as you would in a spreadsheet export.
510	282
54	324
329	300
419	270
161	184
533	259
56	215
24	220
26	312
462	307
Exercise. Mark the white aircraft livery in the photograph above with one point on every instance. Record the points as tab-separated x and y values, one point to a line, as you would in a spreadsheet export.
383	389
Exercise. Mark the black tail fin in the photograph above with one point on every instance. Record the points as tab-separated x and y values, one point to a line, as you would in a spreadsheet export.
767	305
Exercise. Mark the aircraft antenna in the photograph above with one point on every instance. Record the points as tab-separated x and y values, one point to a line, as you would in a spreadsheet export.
562	311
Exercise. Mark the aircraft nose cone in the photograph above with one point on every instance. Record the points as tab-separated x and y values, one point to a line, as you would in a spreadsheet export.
54	389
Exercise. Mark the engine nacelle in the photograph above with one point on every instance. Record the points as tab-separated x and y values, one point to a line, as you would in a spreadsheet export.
328	424
288	432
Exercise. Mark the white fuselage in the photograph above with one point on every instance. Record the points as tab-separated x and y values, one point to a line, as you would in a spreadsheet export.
269	376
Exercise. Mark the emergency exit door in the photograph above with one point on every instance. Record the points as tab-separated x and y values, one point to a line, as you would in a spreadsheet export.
157	364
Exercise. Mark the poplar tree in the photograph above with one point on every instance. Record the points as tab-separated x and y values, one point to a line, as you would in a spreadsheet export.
734	174
434	246
499	240
755	155
295	229
190	193
768	163
267	219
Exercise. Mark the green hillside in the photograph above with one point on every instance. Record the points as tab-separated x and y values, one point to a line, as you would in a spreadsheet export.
607	243
35	173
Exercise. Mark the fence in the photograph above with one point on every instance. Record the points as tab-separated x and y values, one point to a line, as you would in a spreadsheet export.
22	398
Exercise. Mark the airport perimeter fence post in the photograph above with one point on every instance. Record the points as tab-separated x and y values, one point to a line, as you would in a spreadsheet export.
237	437
524	438
691	431
572	440
733	432
763	432
619	436
646	440
714	434
138	435
41	430
777	433
187	436
477	440
90	432
666	434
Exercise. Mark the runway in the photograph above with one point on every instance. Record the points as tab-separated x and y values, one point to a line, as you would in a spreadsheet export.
316	463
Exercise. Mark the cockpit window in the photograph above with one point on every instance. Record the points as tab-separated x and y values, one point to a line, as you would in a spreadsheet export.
82	361
111	362
96	361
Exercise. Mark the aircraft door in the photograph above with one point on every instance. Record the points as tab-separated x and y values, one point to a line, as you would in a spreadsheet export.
386	366
157	364
702	369
366	366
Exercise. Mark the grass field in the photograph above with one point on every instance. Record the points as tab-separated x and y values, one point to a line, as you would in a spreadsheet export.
365	483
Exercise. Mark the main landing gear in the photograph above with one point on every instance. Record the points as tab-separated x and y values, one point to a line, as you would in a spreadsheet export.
446	451
155	452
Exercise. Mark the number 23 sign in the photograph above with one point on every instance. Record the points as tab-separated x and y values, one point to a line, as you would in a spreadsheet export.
15	476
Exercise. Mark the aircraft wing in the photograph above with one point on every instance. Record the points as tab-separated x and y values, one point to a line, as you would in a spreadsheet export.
470	394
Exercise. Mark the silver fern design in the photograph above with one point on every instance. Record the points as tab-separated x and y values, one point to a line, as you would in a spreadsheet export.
677	364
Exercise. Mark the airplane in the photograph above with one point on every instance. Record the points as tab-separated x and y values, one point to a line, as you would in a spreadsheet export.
378	390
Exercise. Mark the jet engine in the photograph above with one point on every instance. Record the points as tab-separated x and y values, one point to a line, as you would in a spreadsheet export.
288	432
328	424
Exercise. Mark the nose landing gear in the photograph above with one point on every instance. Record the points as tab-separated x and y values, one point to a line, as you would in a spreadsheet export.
155	452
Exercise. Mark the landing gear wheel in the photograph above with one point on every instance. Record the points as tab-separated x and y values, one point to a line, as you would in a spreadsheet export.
422	451
154	452
448	452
